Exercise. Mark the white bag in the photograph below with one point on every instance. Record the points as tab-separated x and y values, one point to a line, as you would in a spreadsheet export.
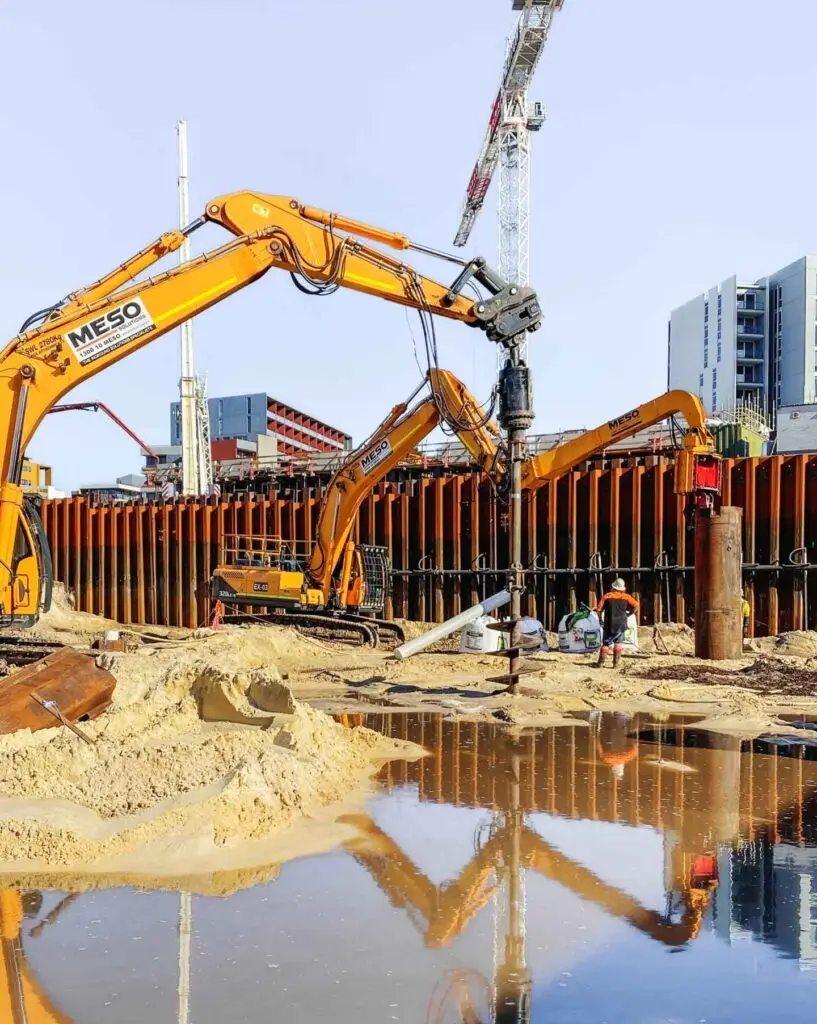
631	634
476	638
583	637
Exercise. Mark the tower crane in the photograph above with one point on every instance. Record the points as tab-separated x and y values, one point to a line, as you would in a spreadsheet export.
507	143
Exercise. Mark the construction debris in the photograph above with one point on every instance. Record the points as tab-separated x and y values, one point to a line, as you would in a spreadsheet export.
67	681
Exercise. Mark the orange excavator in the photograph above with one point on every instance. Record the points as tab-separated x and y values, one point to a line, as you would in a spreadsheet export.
66	343
268	572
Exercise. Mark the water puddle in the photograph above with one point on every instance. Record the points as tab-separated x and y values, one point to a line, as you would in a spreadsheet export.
626	870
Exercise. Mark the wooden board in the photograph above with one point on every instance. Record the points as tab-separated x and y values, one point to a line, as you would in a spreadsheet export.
80	689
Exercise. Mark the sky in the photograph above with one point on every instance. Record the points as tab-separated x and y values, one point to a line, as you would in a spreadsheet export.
678	150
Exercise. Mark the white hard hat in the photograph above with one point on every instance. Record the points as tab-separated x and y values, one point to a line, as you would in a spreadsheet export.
619	584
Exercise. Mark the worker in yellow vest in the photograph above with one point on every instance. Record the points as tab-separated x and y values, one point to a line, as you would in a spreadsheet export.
746	612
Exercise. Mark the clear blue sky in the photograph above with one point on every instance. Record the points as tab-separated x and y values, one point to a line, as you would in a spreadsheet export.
679	149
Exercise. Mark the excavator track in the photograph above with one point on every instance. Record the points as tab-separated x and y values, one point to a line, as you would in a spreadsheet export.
394	630
332	625
364	631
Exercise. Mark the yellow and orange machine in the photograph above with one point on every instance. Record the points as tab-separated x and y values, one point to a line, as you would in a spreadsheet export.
62	345
298	579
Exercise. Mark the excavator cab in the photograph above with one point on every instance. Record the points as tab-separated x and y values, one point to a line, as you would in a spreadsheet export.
366	579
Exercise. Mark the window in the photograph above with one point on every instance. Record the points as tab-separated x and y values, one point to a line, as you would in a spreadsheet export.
701	383
714	390
720	303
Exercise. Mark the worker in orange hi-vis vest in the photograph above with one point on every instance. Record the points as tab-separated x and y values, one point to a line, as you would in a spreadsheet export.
613	610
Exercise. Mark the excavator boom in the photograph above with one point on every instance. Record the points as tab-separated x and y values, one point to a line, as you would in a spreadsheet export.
102	323
697	467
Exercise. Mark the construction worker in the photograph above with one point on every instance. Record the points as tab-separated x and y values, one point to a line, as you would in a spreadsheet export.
746	611
613	610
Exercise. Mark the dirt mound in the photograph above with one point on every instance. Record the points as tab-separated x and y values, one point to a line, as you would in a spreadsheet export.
797	644
160	778
673	638
64	623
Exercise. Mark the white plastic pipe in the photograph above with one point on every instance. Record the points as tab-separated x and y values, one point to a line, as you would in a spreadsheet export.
446	628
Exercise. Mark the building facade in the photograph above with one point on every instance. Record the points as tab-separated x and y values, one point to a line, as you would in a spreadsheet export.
749	344
246	417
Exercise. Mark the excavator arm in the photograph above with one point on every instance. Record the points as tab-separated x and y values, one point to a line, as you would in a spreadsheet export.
103	323
446	912
545	859
402	430
697	465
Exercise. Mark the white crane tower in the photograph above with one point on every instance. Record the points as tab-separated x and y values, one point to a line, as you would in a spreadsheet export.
197	463
507	143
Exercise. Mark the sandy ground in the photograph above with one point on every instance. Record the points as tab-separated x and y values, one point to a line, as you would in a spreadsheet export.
219	759
777	677
205	763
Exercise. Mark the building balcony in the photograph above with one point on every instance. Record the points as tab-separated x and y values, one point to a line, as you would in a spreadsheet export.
747	384
757	310
749	360
750	331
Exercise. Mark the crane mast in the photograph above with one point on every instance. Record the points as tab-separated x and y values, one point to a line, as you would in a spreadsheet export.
507	143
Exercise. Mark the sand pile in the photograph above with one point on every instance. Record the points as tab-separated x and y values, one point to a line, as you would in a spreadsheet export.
161	785
64	623
796	644
668	638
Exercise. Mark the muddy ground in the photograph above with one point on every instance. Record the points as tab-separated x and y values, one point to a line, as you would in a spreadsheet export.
220	748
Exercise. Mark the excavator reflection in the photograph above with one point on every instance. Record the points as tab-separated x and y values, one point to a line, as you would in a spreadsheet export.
513	847
22	1001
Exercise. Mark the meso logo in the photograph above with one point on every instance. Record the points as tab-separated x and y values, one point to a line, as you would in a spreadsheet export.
109	331
380	452
624	421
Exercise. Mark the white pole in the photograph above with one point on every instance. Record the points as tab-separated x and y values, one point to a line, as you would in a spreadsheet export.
444	629
187	383
185	929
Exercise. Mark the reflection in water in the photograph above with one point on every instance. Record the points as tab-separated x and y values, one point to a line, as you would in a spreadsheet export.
724	807
737	823
22	1001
